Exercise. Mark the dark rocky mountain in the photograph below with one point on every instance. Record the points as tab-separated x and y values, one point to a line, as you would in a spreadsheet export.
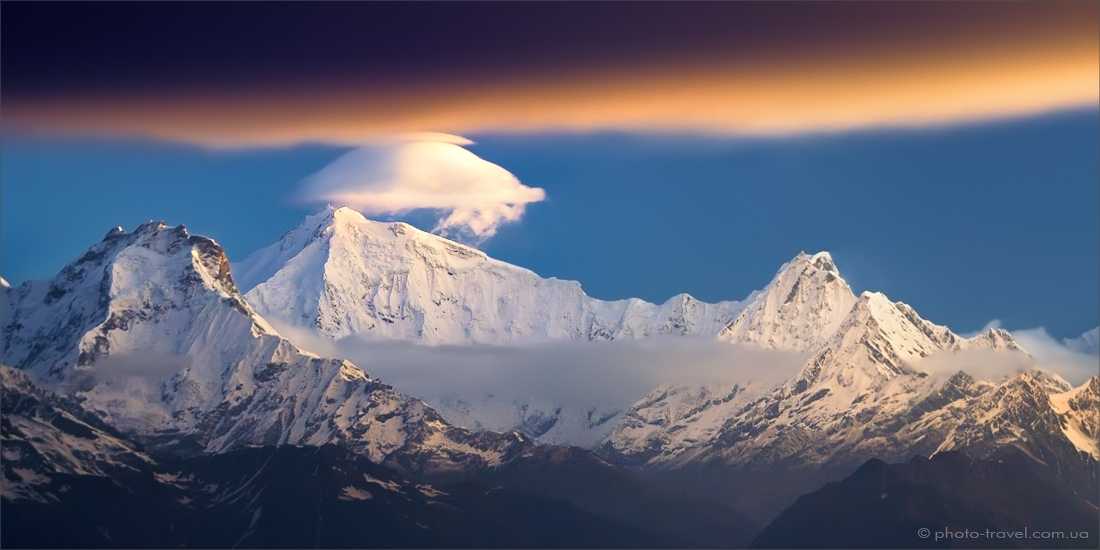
71	481
595	485
299	497
906	505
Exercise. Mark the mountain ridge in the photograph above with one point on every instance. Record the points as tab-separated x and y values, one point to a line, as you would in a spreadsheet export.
342	274
148	330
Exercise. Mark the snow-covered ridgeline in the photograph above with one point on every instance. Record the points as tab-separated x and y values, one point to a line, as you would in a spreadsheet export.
1080	409
861	393
150	329
342	274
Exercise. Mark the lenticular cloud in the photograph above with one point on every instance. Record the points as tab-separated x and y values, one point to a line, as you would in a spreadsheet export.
473	196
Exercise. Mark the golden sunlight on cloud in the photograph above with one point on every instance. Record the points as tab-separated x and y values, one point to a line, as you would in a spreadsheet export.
946	84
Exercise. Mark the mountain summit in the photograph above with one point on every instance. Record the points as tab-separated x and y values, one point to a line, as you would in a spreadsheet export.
861	393
801	307
341	274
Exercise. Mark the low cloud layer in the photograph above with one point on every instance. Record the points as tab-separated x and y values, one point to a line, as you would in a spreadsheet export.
425	171
1074	366
984	364
614	374
1046	353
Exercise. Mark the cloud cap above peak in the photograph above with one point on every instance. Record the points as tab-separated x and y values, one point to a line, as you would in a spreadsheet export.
425	171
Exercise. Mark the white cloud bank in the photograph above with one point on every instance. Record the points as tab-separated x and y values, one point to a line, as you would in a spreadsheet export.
1074	366
982	364
615	374
425	171
609	374
1047	353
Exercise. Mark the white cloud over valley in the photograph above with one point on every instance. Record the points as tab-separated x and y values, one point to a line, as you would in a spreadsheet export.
615	373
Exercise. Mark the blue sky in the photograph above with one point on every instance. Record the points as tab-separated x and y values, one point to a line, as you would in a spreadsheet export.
967	223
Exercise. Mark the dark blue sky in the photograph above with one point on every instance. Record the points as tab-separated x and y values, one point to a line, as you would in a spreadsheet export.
967	224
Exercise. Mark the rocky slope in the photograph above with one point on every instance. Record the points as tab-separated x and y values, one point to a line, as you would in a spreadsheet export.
63	466
1079	409
43	435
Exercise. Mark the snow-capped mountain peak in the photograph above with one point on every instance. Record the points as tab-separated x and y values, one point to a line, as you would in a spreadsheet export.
823	261
149	331
861	383
994	339
801	307
341	274
152	273
881	339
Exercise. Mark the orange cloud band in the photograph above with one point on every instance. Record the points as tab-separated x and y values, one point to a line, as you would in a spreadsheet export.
945	83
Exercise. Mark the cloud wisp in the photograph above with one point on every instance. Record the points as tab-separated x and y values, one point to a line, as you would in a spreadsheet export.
473	196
